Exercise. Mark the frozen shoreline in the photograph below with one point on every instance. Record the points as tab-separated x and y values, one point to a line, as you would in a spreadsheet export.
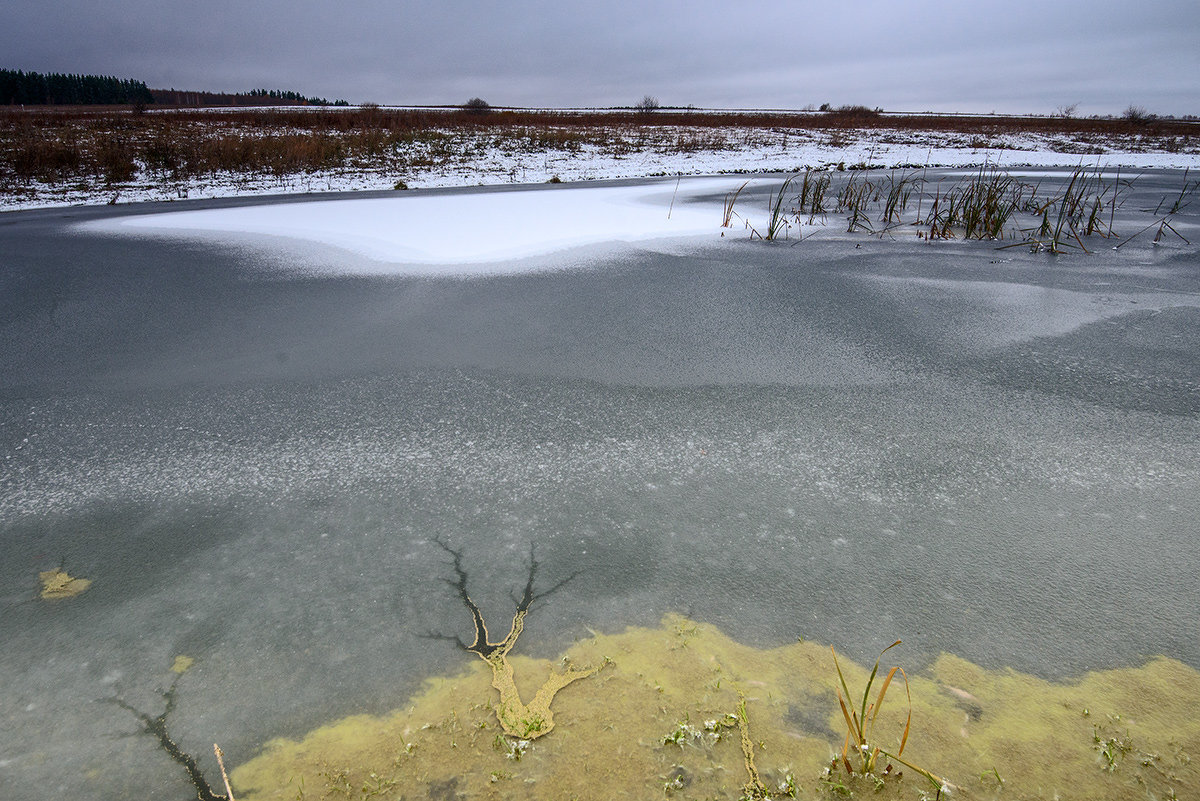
487	161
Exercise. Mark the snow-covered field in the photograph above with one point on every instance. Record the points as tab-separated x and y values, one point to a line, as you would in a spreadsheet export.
483	158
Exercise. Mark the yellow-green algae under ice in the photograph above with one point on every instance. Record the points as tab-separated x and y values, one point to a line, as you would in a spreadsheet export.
659	722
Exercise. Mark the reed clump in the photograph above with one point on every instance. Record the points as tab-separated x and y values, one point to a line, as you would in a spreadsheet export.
989	204
861	719
980	208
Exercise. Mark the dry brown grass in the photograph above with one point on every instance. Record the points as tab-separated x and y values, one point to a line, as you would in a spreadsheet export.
56	145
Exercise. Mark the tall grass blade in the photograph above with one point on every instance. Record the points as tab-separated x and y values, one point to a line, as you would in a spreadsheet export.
777	222
730	199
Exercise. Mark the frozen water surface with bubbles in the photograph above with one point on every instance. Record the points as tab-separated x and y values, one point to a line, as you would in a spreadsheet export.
246	424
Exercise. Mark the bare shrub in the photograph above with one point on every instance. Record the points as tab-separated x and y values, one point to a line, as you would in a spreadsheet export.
647	105
1137	115
477	105
855	113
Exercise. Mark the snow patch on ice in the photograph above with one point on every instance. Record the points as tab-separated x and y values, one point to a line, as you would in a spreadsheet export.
469	232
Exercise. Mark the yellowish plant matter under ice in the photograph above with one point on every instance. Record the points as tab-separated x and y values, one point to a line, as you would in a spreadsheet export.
657	721
58	584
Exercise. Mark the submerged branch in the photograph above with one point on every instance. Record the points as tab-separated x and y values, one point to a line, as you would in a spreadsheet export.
526	721
157	728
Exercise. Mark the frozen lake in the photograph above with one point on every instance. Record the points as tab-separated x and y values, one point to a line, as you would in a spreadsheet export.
247	441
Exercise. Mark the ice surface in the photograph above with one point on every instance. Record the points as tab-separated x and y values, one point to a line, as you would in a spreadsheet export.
998	452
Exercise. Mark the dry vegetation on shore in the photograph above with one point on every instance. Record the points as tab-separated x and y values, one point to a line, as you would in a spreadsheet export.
57	149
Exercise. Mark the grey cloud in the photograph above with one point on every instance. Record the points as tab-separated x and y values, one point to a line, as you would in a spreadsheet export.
1021	56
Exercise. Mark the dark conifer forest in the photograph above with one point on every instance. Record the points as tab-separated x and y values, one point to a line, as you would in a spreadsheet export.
19	88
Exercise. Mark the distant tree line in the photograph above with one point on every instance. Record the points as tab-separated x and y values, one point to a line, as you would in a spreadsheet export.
18	88
293	98
255	97
38	89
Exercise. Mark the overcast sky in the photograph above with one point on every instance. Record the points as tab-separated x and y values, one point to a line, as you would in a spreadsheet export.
940	55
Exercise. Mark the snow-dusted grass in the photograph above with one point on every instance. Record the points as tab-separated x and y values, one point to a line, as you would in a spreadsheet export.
471	156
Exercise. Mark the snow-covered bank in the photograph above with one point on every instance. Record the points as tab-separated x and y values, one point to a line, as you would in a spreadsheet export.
483	158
